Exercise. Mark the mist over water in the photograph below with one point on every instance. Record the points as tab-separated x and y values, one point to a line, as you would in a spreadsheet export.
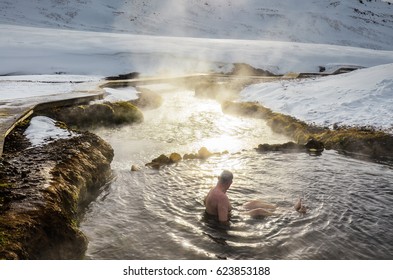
159	214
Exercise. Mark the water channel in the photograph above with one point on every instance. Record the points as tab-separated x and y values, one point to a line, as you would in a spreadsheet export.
159	214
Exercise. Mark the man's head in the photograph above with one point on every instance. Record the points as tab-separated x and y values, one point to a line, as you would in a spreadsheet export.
226	178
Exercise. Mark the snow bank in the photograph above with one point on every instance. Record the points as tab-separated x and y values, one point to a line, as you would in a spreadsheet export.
14	87
121	94
42	131
365	24
30	50
360	98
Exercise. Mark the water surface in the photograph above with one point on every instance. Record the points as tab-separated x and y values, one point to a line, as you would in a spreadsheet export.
159	214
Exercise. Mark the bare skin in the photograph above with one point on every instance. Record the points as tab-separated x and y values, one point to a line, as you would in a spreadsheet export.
217	202
258	208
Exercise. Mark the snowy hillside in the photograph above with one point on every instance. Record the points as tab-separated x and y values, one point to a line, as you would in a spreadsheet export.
361	23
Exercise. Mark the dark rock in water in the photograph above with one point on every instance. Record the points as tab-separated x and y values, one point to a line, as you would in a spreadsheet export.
313	145
202	154
164	160
128	76
39	215
288	147
190	156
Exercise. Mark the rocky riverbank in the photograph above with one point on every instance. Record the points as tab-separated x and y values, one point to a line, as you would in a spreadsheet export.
356	141
43	191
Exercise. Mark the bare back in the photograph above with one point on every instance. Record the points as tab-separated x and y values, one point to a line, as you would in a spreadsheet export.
217	204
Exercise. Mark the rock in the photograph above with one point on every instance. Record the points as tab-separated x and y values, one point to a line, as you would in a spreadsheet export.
128	76
96	115
190	156
159	161
286	147
164	160
39	214
204	153
313	145
175	157
135	167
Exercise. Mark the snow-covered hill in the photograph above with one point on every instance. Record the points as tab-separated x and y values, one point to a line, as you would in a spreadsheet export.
360	23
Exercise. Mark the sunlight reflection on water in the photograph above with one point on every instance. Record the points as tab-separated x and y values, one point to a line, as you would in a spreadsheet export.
159	214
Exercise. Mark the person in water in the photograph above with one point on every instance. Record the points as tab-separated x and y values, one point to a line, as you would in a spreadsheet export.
217	202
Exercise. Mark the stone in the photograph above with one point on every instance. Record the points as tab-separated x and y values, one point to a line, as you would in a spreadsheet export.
204	153
135	167
313	145
175	157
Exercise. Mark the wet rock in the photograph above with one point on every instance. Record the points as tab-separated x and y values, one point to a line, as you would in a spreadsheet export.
39	214
204	153
96	115
135	167
175	157
286	147
164	160
190	156
313	145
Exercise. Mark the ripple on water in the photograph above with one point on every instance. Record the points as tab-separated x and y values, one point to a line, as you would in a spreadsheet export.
160	214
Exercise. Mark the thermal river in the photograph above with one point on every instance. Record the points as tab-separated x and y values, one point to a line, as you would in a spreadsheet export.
159	214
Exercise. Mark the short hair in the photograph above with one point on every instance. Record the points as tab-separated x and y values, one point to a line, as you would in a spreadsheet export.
226	177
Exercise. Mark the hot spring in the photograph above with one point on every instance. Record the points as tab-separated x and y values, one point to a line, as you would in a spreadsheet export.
159	214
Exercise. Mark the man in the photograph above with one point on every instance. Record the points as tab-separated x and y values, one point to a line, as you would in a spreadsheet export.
217	202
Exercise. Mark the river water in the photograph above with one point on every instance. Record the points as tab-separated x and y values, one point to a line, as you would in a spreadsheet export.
159	214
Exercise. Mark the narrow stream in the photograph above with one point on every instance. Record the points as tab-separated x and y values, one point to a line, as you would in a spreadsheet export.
159	214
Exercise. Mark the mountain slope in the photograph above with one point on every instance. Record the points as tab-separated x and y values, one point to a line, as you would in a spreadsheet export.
361	23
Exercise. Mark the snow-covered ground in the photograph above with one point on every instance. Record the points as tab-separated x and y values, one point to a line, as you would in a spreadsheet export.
360	98
34	42
43	130
366	23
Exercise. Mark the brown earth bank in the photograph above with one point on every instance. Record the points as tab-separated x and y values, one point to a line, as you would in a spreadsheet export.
43	191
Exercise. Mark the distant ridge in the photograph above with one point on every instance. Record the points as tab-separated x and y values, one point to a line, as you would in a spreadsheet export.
359	23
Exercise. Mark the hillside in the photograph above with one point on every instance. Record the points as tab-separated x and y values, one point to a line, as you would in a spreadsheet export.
359	23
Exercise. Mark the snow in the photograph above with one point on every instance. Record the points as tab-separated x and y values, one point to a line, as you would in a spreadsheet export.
16	87
43	130
28	50
360	98
338	22
54	47
113	95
